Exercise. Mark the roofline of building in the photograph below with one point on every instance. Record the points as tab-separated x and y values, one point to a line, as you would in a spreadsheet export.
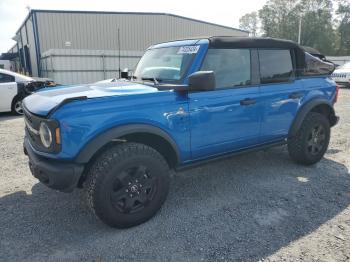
8	50
123	13
14	45
25	21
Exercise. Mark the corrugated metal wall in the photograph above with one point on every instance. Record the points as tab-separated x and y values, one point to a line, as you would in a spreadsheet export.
73	66
72	44
32	50
98	31
25	38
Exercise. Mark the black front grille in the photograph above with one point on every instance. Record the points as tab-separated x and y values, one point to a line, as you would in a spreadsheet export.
32	119
32	131
34	122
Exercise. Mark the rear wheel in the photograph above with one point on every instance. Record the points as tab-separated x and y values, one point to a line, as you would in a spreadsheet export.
127	184
17	106
311	142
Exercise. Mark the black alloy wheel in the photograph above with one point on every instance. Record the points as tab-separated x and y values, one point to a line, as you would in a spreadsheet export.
316	140
133	189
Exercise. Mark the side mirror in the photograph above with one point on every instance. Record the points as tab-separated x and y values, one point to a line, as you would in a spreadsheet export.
202	81
125	73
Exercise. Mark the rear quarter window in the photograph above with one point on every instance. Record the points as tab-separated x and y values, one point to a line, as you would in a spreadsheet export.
275	66
315	66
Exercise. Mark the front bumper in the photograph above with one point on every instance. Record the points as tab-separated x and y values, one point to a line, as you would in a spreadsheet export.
343	84
59	175
336	120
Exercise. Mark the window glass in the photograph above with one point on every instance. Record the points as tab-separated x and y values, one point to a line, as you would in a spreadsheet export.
4	78
316	66
275	66
165	64
231	66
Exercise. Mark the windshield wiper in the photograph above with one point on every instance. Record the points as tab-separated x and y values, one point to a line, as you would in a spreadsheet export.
155	80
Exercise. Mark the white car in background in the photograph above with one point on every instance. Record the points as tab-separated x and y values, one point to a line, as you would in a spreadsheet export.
14	87
12	91
341	75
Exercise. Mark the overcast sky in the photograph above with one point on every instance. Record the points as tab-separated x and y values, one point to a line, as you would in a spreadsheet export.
13	12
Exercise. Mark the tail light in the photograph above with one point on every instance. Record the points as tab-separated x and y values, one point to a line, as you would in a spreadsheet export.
336	93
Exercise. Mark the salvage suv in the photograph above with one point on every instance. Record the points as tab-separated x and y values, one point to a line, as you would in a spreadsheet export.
187	102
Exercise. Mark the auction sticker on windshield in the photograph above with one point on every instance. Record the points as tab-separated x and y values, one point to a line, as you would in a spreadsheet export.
188	49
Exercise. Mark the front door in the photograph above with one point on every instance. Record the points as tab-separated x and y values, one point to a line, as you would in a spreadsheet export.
8	90
226	119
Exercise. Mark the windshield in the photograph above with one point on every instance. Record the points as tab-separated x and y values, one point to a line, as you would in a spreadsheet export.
345	66
165	64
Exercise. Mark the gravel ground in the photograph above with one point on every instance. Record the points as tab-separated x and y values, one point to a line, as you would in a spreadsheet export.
258	206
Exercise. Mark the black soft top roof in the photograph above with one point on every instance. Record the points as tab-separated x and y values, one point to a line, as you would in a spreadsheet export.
250	42
259	42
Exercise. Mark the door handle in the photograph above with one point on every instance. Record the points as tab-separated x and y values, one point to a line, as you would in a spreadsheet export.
247	102
295	95
181	112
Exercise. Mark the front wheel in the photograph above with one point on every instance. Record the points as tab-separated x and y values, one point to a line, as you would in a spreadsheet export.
17	106
311	141
127	184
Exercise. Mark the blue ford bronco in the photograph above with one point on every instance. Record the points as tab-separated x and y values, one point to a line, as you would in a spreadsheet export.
187	102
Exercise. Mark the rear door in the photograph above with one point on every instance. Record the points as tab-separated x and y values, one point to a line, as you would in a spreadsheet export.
8	90
281	93
226	119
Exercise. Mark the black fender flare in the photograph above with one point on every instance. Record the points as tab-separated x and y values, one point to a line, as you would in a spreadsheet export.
94	145
304	110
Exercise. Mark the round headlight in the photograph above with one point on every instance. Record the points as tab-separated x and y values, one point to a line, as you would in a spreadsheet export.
45	135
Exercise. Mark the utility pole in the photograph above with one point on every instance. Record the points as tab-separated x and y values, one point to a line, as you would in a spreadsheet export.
299	35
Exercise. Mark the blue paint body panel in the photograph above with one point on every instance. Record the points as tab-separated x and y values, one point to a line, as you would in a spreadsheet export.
213	123
220	124
278	109
78	127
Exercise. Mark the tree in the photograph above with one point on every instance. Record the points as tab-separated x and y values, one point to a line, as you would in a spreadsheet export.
317	21
280	18
343	29
319	29
250	23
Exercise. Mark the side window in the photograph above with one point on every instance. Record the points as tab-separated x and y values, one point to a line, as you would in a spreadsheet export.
231	66
275	66
4	78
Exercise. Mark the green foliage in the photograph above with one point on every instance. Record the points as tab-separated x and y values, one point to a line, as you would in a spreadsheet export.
319	28
343	30
317	24
280	19
250	22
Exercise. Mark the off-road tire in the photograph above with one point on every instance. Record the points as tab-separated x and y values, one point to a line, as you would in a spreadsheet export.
299	147
109	167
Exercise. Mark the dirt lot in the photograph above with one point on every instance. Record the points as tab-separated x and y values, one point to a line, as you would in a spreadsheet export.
259	206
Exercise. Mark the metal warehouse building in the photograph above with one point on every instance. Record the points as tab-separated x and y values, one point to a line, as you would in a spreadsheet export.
83	46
